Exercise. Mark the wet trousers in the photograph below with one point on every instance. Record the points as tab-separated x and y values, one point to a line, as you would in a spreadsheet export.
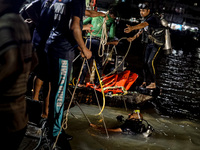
151	54
59	70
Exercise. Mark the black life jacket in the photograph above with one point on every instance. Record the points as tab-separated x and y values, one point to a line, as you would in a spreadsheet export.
133	127
155	35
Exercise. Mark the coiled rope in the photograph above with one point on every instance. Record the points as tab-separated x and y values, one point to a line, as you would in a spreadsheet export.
104	37
121	61
103	40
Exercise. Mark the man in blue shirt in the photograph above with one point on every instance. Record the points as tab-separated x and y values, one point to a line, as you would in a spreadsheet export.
42	15
64	37
39	12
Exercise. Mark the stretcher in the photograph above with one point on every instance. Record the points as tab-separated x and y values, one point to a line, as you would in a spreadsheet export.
117	83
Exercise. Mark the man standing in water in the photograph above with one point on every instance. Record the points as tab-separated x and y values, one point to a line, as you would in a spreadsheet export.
151	24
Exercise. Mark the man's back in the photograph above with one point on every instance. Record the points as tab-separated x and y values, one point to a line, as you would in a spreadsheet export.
16	45
61	39
63	11
44	23
62	15
15	34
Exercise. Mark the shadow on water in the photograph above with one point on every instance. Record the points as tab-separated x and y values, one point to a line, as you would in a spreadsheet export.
169	133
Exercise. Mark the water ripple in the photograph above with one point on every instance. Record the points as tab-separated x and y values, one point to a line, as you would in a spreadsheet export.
178	75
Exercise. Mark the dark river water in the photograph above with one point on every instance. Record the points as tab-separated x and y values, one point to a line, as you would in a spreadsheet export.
178	76
169	133
175	116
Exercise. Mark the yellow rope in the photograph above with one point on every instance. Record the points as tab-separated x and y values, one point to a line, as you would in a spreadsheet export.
117	87
99	104
102	91
153	60
65	121
108	83
73	83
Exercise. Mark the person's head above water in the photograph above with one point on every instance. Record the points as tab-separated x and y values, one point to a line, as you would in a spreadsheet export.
135	115
144	9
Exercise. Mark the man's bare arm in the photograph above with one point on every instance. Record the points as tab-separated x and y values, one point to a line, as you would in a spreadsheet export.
77	33
92	13
136	27
130	39
102	129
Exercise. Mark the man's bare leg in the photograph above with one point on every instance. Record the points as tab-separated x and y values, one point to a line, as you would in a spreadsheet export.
45	110
151	86
36	89
143	85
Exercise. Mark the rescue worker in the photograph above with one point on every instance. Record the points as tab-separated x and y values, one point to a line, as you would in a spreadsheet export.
132	125
41	14
150	24
64	37
95	42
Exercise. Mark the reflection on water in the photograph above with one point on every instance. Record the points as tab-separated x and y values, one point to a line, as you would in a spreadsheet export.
174	134
179	78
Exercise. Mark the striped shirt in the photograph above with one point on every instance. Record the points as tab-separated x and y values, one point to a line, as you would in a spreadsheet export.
14	34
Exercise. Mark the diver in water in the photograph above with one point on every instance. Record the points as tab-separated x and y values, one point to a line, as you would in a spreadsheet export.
132	125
